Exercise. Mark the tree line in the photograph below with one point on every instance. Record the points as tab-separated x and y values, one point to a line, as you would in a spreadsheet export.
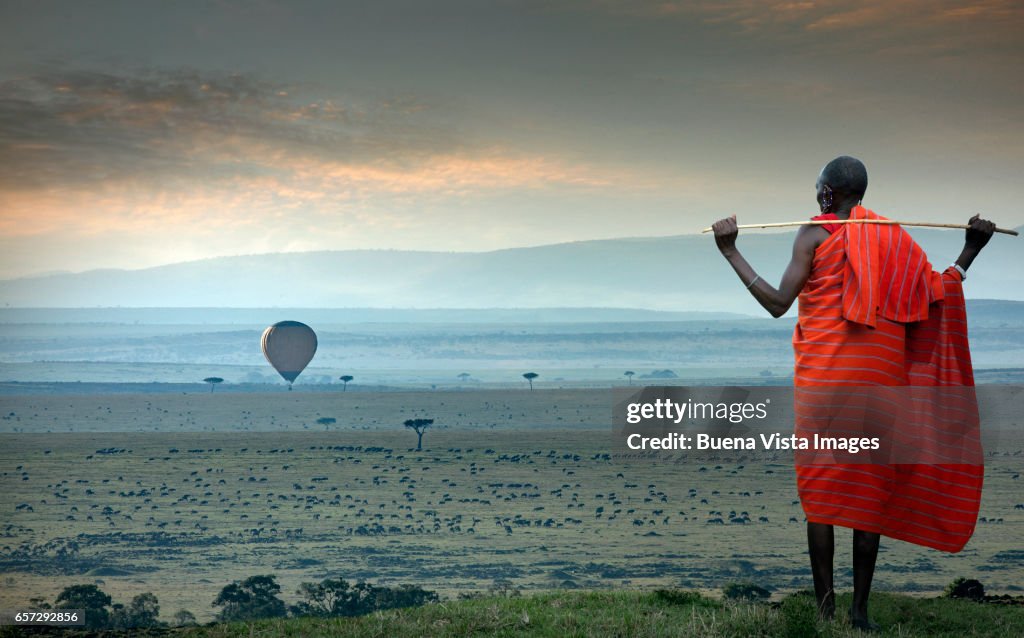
254	598
346	378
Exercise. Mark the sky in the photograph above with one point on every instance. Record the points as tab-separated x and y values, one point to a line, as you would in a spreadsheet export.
134	134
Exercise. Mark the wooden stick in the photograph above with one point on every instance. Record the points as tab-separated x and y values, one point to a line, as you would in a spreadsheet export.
822	222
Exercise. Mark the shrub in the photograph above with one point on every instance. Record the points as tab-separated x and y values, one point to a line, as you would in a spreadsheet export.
336	597
184	618
800	615
504	588
681	597
968	588
745	591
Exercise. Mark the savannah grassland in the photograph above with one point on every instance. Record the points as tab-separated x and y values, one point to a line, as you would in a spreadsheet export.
181	493
644	614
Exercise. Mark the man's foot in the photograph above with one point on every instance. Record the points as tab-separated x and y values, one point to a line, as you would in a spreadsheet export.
860	621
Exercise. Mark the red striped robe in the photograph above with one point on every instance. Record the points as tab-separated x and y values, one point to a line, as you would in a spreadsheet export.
874	313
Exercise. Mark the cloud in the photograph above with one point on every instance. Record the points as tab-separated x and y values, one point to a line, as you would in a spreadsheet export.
809	12
949	22
88	152
65	126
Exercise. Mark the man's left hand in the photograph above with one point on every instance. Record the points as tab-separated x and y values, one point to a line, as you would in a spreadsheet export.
979	231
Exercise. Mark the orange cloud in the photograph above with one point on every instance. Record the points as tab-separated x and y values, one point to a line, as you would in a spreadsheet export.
98	153
288	182
891	16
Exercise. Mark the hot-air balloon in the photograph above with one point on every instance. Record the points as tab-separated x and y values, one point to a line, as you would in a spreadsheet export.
289	346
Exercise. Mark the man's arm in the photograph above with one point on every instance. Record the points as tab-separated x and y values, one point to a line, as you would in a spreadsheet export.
775	300
979	231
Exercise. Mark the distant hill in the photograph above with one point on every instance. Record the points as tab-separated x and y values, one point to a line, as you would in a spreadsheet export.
346	318
682	273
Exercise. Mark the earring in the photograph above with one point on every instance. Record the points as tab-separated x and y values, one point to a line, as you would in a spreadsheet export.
826	199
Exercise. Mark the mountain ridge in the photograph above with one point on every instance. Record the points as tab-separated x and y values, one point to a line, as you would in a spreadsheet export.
674	273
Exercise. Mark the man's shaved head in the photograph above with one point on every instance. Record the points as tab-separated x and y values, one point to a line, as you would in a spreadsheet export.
847	177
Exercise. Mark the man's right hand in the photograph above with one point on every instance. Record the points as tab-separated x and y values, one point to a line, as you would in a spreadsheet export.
725	234
979	231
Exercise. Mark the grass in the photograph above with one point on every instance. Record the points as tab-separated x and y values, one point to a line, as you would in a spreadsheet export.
640	614
532	500
662	613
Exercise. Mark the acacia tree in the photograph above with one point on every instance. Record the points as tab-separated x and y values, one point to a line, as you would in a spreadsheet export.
322	599
90	598
253	598
144	611
213	381
530	376
464	376
629	375
345	378
419	426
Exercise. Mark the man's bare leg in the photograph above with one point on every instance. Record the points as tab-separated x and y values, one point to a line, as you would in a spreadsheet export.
865	552
821	544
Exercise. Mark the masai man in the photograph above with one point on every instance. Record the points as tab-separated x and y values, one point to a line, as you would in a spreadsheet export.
872	312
